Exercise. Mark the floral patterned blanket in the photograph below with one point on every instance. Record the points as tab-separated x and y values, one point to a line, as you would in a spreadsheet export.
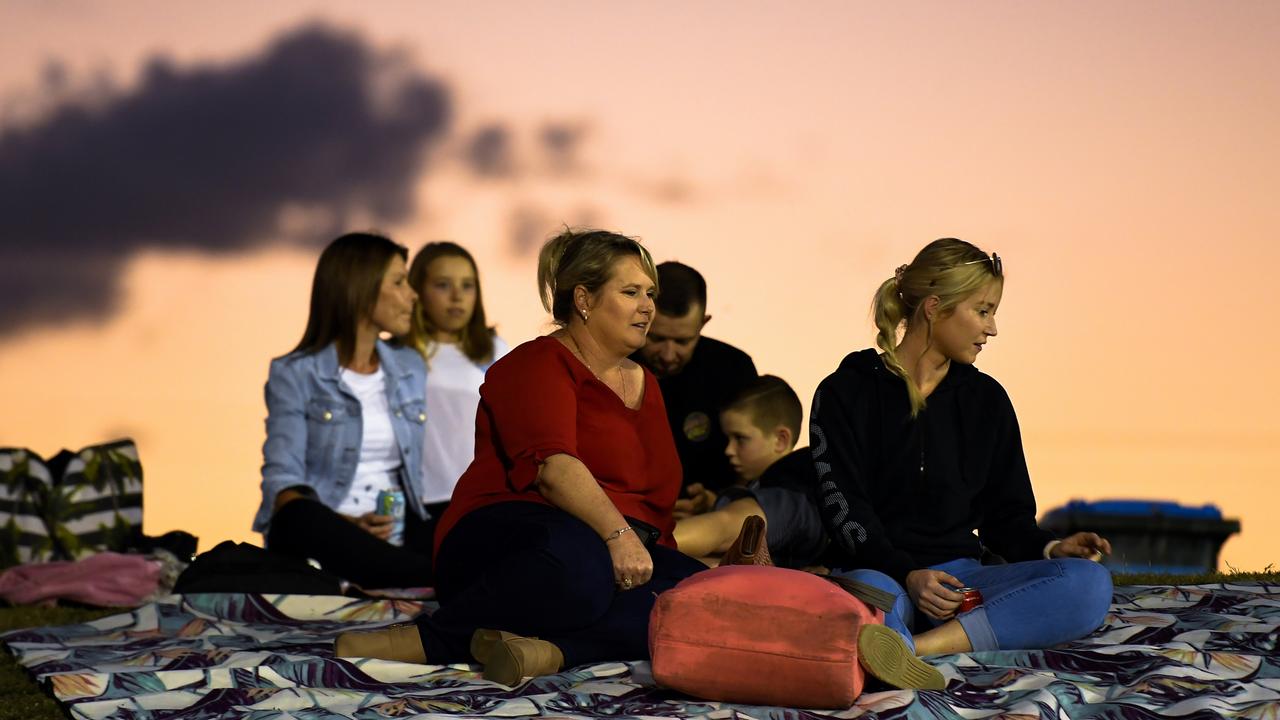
1206	651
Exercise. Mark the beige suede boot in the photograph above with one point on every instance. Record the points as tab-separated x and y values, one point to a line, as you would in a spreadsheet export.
484	643
401	643
509	658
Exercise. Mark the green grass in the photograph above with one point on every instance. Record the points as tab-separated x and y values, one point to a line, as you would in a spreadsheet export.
1235	576
22	699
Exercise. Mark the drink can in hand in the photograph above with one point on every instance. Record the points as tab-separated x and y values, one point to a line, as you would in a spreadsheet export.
972	599
391	502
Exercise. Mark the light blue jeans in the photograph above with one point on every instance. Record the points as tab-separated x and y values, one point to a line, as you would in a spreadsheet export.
1025	606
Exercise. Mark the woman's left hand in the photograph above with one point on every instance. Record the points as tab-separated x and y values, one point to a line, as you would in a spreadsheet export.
632	563
1090	546
379	526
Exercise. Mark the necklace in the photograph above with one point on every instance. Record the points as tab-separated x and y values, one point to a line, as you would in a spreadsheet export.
622	378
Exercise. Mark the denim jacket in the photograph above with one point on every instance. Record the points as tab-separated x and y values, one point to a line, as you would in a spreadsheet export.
314	426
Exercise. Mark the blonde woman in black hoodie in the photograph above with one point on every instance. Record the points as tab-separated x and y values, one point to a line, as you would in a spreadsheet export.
924	487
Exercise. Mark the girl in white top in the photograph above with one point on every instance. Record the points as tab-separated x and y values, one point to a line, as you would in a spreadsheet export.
450	331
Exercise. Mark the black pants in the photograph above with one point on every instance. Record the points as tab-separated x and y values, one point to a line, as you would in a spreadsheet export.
536	570
306	528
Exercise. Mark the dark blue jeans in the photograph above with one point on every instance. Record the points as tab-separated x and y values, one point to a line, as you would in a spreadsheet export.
536	570
1025	606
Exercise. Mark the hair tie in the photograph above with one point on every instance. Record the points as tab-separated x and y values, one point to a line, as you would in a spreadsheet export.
897	278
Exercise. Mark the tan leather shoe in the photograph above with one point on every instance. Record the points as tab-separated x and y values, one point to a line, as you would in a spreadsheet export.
883	653
751	547
401	643
509	658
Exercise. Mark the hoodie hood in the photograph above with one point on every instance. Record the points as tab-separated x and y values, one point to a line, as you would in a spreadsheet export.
868	364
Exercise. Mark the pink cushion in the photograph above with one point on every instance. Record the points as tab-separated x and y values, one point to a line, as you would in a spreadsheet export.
760	635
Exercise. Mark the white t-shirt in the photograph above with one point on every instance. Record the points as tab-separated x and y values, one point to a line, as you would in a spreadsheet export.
453	394
379	465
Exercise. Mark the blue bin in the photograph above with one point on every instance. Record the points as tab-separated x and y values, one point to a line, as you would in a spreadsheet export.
1149	536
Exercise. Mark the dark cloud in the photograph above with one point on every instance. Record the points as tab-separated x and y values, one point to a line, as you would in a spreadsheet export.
316	132
527	228
54	76
489	152
529	225
560	142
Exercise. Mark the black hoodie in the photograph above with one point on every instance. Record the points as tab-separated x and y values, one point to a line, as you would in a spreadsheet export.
899	494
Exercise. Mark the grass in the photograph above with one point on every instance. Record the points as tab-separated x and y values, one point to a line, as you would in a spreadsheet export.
22	699
1235	576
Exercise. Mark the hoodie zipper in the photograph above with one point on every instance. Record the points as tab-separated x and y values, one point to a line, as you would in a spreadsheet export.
923	434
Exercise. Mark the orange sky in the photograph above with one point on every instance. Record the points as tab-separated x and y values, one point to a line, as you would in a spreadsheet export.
1121	158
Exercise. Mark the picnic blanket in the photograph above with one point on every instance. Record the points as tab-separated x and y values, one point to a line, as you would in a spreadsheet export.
1205	651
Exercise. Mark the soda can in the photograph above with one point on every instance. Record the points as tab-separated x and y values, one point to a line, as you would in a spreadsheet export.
972	599
391	502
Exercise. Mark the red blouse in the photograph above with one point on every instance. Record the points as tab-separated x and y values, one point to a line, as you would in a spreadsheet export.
540	400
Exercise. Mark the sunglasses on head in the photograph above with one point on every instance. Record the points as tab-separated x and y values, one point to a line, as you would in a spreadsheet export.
997	267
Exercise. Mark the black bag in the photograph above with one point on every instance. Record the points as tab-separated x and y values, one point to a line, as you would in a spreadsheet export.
243	568
647	533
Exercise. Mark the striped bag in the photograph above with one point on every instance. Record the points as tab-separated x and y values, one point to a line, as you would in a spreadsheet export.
71	506
25	485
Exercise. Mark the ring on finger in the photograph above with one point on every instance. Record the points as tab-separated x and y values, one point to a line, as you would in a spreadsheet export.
626	582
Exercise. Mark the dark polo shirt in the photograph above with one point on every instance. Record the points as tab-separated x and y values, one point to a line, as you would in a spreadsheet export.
694	397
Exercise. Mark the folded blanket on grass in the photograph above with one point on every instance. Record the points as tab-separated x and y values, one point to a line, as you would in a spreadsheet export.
1189	652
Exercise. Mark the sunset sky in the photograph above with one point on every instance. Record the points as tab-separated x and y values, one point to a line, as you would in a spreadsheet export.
168	174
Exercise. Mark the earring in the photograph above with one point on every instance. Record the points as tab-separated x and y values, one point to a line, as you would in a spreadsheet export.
583	312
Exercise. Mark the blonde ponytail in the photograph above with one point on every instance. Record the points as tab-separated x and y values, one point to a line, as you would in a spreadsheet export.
549	266
890	314
948	269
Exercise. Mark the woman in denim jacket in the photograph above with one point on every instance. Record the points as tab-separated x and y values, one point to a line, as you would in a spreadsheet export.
345	418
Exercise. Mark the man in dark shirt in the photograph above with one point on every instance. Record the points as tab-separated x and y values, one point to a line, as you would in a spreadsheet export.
698	375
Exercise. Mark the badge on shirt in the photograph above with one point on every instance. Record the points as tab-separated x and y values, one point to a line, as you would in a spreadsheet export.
697	426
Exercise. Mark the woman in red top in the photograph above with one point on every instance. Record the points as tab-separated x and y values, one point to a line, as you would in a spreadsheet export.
561	527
